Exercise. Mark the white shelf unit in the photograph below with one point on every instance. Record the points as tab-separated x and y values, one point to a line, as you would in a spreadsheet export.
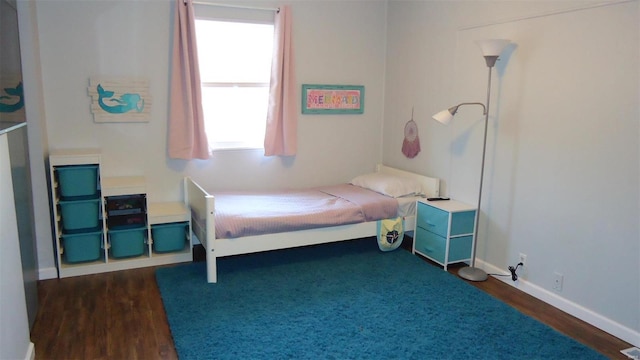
155	213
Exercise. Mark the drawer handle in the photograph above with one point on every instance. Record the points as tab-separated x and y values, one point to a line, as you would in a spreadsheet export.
430	223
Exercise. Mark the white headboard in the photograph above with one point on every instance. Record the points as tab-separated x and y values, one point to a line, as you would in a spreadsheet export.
432	185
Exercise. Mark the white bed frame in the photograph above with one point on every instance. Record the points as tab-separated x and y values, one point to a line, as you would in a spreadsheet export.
202	206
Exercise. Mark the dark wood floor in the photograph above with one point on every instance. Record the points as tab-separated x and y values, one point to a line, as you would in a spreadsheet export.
119	315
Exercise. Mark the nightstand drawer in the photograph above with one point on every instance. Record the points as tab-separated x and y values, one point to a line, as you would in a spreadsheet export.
430	244
432	219
434	246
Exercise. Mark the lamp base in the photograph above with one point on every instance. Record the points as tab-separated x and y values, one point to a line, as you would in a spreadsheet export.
472	274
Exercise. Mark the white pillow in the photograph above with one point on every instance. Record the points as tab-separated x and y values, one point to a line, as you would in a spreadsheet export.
390	185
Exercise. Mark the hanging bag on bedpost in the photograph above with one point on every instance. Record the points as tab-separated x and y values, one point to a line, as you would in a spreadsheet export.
390	233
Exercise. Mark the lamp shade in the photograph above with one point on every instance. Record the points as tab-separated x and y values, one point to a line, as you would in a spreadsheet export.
492	47
443	117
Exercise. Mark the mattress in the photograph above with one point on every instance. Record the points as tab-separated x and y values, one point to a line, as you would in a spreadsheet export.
245	213
407	205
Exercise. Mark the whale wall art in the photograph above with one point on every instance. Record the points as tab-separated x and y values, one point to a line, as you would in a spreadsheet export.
120	100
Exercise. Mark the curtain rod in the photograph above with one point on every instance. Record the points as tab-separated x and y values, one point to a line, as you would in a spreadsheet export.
277	9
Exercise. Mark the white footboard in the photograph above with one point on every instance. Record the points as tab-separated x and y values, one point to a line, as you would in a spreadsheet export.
203	223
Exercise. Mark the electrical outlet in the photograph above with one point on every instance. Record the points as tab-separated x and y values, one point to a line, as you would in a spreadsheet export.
557	281
523	259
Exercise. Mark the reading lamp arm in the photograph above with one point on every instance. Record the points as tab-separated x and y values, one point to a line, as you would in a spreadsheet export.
454	109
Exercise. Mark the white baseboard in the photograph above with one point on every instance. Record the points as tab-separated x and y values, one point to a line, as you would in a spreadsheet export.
47	273
31	352
589	316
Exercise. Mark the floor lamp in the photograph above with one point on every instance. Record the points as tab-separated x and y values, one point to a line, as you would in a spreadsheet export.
491	50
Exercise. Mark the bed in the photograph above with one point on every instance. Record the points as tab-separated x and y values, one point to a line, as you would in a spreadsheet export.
212	228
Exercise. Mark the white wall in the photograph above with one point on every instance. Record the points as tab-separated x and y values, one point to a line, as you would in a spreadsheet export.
562	177
336	43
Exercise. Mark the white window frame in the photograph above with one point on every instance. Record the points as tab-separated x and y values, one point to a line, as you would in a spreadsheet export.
212	13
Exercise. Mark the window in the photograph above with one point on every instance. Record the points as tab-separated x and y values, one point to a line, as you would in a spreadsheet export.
235	69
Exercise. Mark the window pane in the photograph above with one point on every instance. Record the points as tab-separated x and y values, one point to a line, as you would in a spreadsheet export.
235	116
235	70
234	52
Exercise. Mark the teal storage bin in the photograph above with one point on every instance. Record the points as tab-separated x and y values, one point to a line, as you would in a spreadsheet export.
82	246
77	180
127	242
169	237
81	214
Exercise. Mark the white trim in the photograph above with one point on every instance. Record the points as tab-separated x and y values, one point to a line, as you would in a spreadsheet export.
68	270
601	322
31	352
47	273
544	14
276	9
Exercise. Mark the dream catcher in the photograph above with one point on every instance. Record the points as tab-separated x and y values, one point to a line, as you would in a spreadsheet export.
411	143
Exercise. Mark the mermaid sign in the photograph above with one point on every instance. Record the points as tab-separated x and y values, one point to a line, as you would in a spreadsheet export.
124	103
13	100
119	100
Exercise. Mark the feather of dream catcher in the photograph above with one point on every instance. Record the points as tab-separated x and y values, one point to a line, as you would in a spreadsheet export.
411	143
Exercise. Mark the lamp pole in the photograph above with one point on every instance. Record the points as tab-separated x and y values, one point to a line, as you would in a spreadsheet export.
473	273
491	50
484	152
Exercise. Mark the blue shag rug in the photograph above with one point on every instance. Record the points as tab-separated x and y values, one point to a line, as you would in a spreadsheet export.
346	300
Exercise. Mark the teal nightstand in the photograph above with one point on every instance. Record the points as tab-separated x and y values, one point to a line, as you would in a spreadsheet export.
444	231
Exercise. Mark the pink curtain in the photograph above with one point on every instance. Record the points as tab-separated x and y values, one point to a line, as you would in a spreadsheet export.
186	134
282	122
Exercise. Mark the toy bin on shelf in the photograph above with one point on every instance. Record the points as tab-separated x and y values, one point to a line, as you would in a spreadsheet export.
128	242
82	246
78	180
80	214
127	221
169	237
